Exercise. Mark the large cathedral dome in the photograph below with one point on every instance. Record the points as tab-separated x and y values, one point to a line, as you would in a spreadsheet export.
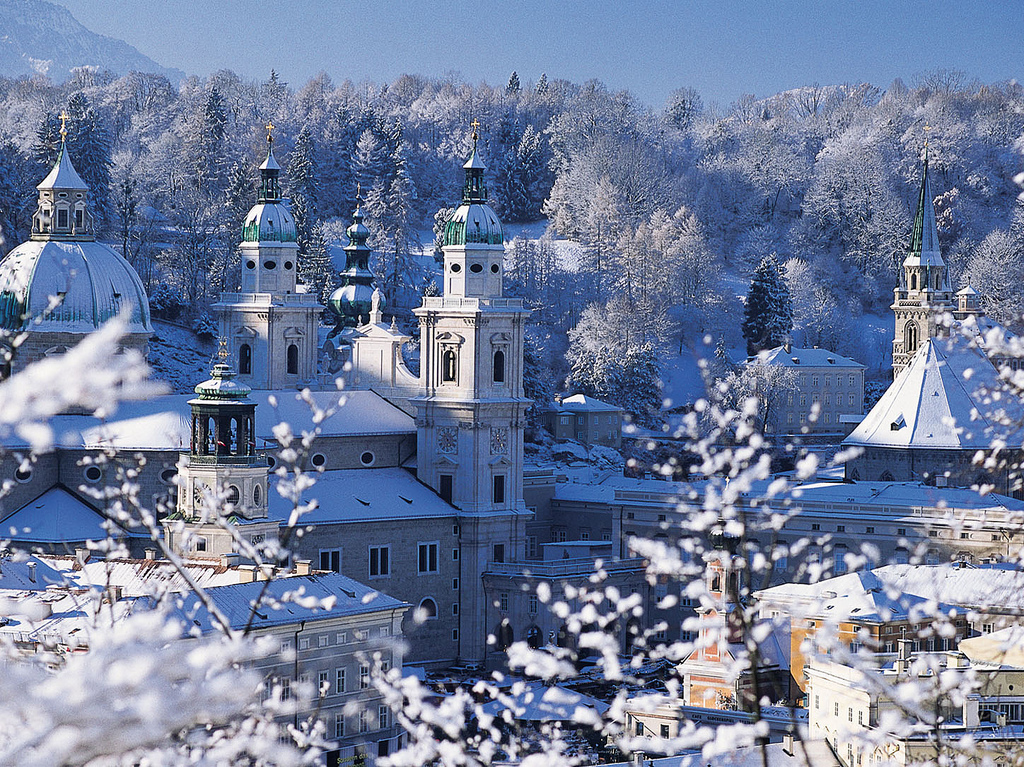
62	284
269	220
92	282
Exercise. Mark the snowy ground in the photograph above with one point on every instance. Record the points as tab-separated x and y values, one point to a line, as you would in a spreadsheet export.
178	357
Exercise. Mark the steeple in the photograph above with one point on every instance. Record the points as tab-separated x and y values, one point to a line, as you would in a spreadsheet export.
270	170
353	300
63	212
924	243
474	190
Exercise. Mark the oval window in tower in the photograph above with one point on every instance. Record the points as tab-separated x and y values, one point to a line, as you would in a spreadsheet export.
476	268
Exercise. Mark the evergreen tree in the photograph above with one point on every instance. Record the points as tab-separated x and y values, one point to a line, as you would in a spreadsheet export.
768	315
513	84
440	221
303	189
316	270
542	84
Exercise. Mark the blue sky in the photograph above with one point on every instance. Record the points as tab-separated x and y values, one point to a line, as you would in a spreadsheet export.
724	49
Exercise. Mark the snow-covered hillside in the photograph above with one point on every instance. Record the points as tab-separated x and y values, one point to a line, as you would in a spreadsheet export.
37	37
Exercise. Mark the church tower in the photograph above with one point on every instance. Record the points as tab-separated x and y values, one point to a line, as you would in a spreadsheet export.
222	463
923	295
271	324
470	411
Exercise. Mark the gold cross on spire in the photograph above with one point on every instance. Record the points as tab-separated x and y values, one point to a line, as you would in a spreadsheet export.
270	131
475	125
63	125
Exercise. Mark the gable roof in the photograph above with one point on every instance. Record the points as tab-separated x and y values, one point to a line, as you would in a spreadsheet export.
950	396
56	516
801	357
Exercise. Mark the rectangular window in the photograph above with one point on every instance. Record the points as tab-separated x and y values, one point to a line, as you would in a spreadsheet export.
339	685
385	631
427	560
455	555
383	716
303	643
380	561
364	721
503	602
455	609
852	399
455	635
869	529
342	637
498	496
323	640
499	552
364	677
533	603
664	731
323	682
531	545
286	688
339	726
330	560
445	485
455	584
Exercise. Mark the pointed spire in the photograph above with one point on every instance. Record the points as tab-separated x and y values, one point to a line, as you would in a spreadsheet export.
924	243
270	169
474	189
356	296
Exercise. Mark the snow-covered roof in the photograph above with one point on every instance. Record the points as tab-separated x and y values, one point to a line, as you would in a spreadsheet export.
95	284
63	174
1003	648
286	601
806	753
539	702
141	577
581	402
164	423
356	495
802	357
950	396
56	516
29	574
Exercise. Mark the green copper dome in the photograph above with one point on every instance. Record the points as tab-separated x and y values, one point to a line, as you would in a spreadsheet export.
270	219
353	301
474	221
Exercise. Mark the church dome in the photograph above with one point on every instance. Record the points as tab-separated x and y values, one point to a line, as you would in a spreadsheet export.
222	385
351	302
94	283
269	222
474	221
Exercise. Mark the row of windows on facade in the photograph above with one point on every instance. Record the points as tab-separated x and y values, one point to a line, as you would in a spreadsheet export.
245	359
581	420
828	380
450	367
446	488
379	558
816	398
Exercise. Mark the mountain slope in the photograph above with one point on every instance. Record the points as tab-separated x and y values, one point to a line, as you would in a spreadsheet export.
42	37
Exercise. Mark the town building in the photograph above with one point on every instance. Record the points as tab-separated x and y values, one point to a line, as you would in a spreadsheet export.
585	419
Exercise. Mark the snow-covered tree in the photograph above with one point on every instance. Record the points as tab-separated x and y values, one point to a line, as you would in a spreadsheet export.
768	313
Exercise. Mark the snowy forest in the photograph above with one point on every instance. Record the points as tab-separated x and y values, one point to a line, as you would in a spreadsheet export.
654	220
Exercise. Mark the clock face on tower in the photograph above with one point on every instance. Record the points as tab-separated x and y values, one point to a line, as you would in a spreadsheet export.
448	439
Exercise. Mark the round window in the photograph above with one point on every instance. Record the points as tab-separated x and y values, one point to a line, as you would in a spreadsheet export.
495	268
257	495
367	458
271	461
168	475
270	264
476	268
250	264
93	473
287	264
23	474
233	494
318	459
456	268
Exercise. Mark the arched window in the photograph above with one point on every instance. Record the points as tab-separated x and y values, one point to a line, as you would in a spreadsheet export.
449	366
293	359
910	337
913	281
901	556
428	608
533	637
245	359
499	366
839	559
887	477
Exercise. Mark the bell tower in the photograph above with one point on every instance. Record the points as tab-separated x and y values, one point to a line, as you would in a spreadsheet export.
221	480
471	407
271	323
923	295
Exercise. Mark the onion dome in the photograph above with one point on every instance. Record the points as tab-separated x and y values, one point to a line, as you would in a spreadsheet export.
63	261
222	385
474	221
355	298
270	219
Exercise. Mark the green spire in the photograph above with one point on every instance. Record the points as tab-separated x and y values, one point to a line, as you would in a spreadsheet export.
270	189
924	242
474	189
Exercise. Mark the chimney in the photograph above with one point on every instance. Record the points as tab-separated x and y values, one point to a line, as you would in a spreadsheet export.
246	573
788	345
230	560
151	554
787	743
82	555
32	571
303	566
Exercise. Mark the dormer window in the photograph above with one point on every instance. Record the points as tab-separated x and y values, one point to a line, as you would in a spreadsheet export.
79	218
62	218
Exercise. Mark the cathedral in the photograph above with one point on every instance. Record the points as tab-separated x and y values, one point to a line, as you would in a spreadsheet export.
419	478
